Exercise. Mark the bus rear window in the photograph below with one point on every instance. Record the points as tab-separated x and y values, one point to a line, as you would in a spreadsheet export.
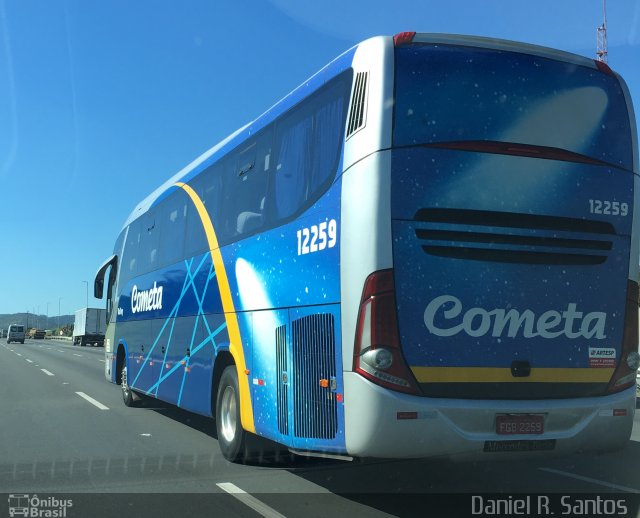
456	93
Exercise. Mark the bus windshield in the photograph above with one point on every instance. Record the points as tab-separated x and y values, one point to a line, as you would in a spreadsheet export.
447	93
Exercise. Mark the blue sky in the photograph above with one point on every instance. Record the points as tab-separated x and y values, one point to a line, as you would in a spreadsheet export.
101	102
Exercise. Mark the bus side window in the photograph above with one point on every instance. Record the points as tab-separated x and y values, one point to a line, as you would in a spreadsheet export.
249	182
111	291
308	144
195	241
129	263
328	135
116	276
293	146
172	217
149	238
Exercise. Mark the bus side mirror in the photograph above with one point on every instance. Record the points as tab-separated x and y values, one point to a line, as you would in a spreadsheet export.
98	285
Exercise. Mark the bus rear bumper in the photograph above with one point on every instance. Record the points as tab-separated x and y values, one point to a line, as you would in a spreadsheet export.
387	424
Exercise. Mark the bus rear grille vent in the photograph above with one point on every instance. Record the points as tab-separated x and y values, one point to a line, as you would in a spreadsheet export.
282	370
514	238
313	353
357	112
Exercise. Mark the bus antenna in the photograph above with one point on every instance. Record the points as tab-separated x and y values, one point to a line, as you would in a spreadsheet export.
601	36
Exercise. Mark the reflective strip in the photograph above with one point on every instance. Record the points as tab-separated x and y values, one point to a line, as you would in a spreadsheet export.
235	346
496	374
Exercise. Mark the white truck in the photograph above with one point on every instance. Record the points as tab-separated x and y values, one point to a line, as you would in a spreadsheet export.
89	327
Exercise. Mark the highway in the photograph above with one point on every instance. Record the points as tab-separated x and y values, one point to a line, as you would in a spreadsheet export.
65	429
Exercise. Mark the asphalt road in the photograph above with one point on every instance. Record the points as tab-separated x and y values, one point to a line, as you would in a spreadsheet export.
64	428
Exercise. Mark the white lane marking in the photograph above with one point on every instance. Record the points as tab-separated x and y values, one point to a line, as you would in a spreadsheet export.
591	480
249	500
47	372
101	361
30	361
65	382
92	401
18	354
78	355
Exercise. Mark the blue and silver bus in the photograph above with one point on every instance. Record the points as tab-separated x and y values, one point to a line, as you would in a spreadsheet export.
430	247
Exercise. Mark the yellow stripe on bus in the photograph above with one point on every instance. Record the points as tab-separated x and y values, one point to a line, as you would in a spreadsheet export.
496	374
235	346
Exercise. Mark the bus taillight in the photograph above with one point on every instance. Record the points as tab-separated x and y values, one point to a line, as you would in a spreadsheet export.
377	353
403	38
625	373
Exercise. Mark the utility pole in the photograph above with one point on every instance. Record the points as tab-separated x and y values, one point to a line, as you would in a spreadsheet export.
87	283
59	299
601	36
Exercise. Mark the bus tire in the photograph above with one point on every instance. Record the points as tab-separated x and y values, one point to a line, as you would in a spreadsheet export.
127	394
231	436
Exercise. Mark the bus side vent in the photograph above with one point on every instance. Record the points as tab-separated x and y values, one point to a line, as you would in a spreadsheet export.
315	409
357	111
283	380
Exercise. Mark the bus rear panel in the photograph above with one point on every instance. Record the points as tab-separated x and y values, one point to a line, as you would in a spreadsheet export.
511	205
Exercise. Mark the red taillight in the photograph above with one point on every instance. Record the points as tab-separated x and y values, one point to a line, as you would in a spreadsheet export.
403	38
377	355
625	373
604	68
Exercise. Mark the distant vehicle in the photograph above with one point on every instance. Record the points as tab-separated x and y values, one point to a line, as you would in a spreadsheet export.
36	334
15	333
89	327
429	248
3	333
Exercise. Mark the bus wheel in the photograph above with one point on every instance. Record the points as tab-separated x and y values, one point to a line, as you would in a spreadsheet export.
127	393
231	436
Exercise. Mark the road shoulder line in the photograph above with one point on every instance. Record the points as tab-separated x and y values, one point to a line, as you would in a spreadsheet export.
94	402
249	500
591	480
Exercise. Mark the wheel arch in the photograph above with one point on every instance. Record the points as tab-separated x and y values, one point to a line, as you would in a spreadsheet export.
223	360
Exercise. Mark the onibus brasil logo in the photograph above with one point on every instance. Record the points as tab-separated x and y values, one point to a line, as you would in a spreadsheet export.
36	507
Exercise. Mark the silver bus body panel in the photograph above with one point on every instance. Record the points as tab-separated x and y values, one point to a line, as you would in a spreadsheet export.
462	426
366	202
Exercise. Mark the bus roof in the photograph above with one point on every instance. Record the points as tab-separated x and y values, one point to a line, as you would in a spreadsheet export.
336	66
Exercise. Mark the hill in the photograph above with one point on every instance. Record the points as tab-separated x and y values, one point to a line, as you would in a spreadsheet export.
31	320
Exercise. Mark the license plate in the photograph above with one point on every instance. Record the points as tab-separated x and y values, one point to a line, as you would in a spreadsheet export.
519	424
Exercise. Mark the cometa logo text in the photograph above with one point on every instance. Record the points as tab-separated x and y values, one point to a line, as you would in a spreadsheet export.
146	300
445	316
